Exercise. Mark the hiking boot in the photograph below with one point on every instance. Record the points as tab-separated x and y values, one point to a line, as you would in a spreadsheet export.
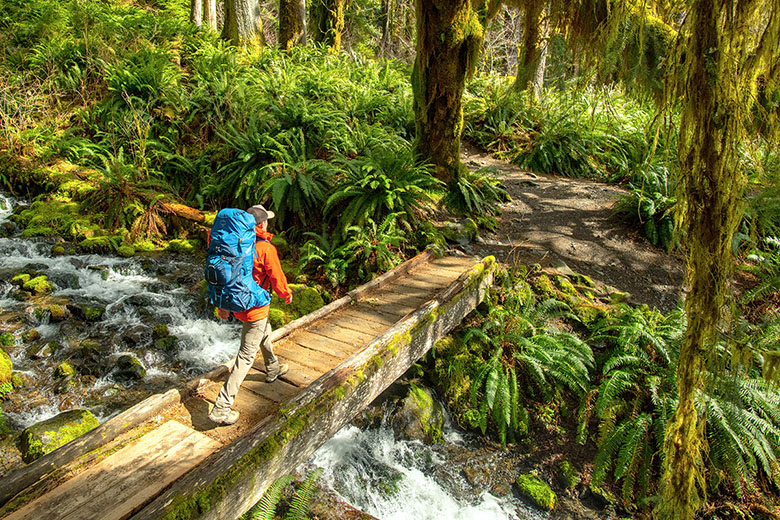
224	417
274	371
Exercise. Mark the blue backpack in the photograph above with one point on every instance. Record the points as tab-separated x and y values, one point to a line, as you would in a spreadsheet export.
229	261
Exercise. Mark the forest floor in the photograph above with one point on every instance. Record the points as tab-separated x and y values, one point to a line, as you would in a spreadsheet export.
568	224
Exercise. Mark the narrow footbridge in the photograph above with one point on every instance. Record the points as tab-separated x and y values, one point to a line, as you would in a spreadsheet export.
163	458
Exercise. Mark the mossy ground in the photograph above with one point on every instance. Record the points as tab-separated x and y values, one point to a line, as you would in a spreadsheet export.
535	489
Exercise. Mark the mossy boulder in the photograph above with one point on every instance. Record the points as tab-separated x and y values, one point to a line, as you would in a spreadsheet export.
129	368
5	428
539	493
178	245
598	498
305	300
583	280
6	370
564	285
85	312
58	312
420	417
145	246
21	279
65	370
277	318
126	251
167	344
589	315
50	218
544	287
160	331
568	476
31	335
100	244
7	339
58	250
47	436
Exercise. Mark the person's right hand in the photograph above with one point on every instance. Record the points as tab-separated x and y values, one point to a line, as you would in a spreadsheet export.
223	314
288	300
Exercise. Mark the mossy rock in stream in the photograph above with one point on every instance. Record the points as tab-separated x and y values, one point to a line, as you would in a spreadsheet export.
51	218
21	279
7	339
47	436
6	370
184	245
129	368
38	285
100	244
533	488
5	428
420	416
126	251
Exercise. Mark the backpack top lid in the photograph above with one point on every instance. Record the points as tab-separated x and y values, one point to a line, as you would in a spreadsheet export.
231	226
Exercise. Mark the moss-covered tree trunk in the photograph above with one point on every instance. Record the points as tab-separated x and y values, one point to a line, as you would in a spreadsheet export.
327	22
243	26
726	45
449	38
532	58
292	23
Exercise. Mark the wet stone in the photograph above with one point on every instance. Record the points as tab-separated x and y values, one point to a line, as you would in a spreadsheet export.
129	368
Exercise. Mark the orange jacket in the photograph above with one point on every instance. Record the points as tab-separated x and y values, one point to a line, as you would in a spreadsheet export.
268	274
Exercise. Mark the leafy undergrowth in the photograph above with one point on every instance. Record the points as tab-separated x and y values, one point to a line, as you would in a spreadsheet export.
557	365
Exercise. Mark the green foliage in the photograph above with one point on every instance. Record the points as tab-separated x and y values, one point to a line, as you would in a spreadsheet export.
765	264
384	181
265	509
476	194
299	504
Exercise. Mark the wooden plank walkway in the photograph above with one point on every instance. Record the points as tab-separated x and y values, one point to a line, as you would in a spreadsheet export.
181	437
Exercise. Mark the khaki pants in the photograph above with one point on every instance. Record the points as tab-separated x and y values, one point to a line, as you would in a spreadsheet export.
254	335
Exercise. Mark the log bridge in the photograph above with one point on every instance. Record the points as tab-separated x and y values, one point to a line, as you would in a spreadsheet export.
163	458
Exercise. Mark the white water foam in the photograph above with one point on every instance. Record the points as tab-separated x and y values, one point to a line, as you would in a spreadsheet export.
361	466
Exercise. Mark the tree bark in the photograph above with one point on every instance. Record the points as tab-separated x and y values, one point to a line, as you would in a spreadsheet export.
292	28
533	53
196	12
211	14
327	22
449	38
243	26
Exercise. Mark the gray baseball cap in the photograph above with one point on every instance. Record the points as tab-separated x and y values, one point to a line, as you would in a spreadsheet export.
260	213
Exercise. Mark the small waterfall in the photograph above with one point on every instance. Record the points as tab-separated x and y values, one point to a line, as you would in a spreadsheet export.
401	480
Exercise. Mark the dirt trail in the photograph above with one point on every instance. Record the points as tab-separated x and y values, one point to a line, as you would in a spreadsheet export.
568	224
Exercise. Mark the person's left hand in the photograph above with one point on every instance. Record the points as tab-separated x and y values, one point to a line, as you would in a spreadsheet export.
223	314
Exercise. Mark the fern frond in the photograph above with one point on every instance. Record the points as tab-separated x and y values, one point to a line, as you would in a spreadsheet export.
299	506
265	509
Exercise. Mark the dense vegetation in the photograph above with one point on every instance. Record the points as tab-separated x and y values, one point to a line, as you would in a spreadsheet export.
127	127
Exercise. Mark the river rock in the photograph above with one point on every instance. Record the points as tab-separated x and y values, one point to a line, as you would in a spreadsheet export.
567	474
47	436
6	369
419	417
5	428
129	368
91	356
537	491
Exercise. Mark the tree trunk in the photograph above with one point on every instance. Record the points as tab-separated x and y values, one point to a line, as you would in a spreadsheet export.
211	14
291	23
196	12
386	19
724	52
243	26
327	22
533	53
449	38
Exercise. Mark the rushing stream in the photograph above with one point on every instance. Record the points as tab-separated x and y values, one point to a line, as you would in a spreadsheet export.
385	477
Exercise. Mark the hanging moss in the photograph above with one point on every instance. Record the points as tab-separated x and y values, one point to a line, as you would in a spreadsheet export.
327	22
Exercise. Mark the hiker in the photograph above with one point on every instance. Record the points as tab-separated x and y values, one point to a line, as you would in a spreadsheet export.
256	331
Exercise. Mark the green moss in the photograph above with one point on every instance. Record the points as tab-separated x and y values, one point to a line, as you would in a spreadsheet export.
544	287
424	411
5	428
20	279
581	279
589	315
537	491
6	370
277	318
57	312
144	246
126	251
167	343
602	494
208	218
184	245
58	250
618	297
65	370
160	331
47	436
564	285
100	244
94	313
568	475
17	380
7	339
50	218
31	335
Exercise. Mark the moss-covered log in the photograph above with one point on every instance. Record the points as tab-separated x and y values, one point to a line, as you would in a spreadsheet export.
327	22
449	38
292	31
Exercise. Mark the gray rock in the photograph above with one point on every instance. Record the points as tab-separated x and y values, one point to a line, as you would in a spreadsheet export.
129	368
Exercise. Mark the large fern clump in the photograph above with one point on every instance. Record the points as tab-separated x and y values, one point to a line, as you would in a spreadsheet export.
528	357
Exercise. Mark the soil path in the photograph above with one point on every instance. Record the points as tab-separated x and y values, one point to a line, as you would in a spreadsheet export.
567	224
